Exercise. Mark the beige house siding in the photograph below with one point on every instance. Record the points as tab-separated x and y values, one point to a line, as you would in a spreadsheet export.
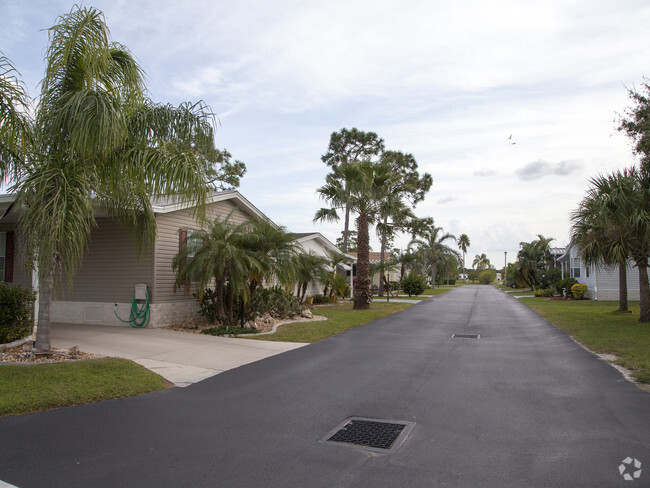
167	241
109	269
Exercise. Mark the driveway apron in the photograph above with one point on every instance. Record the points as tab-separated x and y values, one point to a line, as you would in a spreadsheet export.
523	405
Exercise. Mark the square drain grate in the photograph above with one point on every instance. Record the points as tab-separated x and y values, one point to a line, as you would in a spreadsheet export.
467	336
370	434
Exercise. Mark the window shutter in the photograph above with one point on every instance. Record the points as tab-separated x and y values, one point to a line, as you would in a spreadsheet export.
9	258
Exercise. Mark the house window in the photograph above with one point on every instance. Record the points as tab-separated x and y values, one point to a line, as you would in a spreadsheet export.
182	243
576	268
587	269
7	256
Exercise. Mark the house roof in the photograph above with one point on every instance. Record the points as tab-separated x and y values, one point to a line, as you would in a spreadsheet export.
167	205
302	237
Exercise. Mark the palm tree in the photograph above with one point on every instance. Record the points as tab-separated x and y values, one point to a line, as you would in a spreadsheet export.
101	142
16	130
275	249
600	242
463	245
364	186
623	203
220	254
310	268
334	260
404	259
480	262
433	250
532	259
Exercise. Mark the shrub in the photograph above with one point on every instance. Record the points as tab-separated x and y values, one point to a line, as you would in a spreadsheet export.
207	305
578	291
228	330
275	301
414	284
16	313
487	276
566	283
543	292
321	300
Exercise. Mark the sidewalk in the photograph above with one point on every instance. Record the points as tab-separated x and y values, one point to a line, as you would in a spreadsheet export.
179	357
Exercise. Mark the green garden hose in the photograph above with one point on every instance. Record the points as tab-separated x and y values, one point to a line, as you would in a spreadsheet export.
139	317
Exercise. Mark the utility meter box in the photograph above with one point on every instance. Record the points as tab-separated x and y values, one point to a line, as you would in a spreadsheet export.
141	292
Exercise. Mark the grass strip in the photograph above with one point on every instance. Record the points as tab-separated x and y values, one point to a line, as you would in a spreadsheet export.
340	317
602	329
36	387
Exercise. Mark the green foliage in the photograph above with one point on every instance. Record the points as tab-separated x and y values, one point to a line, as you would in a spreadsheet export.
578	291
278	303
414	284
321	300
16	311
228	330
565	284
487	276
550	277
543	292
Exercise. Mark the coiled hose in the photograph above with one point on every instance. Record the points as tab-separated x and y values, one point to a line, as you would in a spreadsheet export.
139	316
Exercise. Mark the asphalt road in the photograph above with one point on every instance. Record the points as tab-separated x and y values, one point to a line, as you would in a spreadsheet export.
522	406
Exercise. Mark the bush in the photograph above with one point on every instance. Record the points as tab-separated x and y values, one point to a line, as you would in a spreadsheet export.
487	276
543	292
207	305
16	313
566	283
321	300
275	301
578	291
228	330
414	284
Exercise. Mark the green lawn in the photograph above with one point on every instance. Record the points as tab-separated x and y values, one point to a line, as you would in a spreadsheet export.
438	291
340	317
32	388
602	330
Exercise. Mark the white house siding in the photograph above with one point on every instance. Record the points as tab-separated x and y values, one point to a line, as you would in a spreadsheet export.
603	282
319	249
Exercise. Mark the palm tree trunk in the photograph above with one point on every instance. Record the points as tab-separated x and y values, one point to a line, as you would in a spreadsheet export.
433	277
304	292
382	253
644	290
362	293
345	230
44	303
622	287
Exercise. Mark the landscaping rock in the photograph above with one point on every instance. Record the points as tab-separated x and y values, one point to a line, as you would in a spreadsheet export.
306	313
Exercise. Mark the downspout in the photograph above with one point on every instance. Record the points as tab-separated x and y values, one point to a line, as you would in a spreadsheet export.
596	285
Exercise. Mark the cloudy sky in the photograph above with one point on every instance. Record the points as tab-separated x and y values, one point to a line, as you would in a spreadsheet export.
449	82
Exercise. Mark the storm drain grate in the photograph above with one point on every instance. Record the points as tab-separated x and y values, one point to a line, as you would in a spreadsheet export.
467	336
371	434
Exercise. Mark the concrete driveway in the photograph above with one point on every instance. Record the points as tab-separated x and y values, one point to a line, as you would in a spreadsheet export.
179	357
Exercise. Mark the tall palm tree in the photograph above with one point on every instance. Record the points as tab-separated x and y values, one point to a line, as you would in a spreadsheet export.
433	250
16	130
364	186
220	254
599	241
622	200
463	245
101	142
